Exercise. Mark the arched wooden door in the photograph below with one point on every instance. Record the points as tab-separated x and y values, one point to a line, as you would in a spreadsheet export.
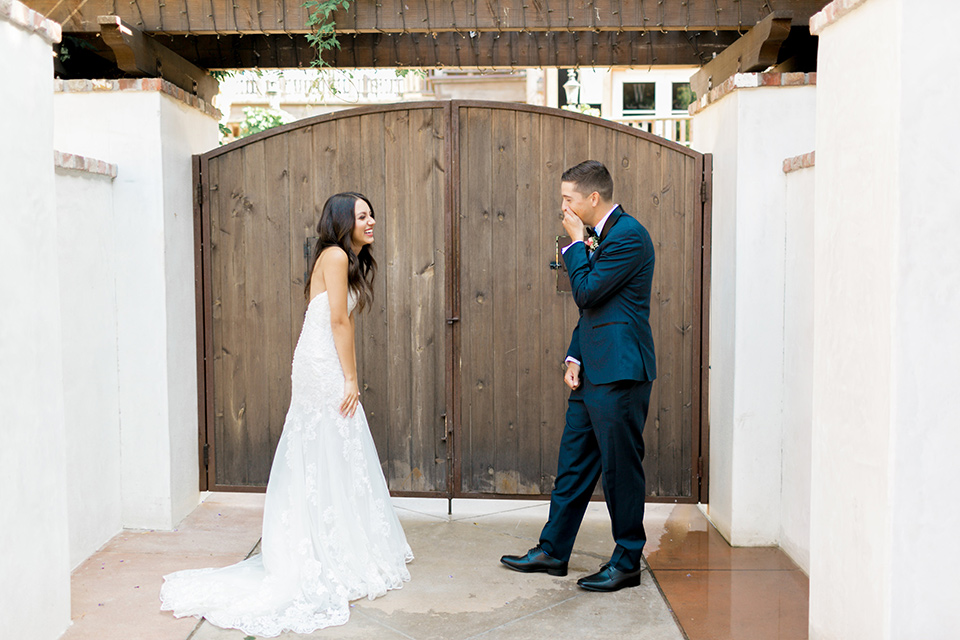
460	356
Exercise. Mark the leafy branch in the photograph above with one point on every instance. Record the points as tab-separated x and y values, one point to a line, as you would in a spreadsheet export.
320	20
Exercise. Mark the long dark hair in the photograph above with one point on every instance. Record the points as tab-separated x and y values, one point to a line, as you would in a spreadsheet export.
335	228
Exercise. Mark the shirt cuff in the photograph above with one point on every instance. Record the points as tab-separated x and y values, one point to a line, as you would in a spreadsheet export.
573	360
564	250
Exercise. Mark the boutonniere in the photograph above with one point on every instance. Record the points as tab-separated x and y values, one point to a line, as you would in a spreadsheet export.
591	239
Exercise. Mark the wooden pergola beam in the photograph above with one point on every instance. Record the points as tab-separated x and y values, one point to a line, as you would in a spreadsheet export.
755	51
224	17
484	50
140	55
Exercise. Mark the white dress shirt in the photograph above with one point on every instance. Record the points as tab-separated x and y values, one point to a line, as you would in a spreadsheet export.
599	230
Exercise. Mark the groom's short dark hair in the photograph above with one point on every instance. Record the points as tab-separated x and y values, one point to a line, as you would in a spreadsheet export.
590	176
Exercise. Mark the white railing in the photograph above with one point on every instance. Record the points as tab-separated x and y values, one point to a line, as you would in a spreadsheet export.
331	87
676	128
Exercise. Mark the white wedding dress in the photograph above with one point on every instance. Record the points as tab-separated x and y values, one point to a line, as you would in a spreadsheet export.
330	534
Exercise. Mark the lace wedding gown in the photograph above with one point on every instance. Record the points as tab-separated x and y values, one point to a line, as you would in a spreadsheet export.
330	534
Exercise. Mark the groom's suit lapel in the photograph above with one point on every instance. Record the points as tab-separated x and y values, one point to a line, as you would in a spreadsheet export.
612	220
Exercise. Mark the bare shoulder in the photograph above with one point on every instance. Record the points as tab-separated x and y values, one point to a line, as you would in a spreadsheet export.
334	256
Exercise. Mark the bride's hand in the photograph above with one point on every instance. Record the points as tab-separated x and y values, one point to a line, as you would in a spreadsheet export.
351	399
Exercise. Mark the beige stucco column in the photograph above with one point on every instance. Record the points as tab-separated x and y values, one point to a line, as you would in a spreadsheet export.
750	124
34	562
884	558
149	129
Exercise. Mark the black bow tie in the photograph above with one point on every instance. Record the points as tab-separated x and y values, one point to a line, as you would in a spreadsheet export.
590	232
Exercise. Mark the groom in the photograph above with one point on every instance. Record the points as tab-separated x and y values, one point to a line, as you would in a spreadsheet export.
610	368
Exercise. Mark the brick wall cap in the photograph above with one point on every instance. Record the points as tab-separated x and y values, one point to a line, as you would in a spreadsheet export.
137	84
831	13
74	162
739	81
26	18
803	161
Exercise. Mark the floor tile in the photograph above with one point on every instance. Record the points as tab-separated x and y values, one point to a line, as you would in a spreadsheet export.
680	537
739	605
116	595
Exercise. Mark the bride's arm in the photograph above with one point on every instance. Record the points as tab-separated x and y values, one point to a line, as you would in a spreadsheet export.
335	276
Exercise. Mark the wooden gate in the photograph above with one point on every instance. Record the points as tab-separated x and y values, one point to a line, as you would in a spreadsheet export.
460	356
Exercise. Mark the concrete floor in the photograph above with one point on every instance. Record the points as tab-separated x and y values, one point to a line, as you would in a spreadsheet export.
459	589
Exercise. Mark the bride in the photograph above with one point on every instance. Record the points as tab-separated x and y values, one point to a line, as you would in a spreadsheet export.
330	534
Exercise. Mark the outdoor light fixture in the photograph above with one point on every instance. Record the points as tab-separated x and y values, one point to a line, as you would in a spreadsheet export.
572	88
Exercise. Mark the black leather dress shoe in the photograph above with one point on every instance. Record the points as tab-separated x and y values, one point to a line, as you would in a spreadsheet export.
609	578
536	561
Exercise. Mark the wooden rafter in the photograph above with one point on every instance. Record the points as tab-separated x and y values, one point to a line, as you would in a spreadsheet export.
485	50
222	17
140	55
755	51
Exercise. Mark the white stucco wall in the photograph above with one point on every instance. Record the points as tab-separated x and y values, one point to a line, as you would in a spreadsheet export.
925	558
750	131
86	252
887	282
152	137
34	562
797	367
184	132
856	216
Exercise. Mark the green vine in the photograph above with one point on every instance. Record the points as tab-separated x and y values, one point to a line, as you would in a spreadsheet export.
320	20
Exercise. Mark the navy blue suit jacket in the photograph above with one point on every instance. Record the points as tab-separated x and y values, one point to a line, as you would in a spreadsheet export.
613	340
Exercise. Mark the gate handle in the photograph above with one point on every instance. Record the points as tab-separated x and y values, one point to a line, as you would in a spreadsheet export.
453	319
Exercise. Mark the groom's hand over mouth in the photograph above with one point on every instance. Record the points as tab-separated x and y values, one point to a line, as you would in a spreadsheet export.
573	225
572	376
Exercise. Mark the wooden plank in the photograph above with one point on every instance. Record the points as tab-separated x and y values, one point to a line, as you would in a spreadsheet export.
399	384
256	448
755	51
229	254
689	367
534	230
429	16
277	302
671	268
479	448
505	301
372	323
303	218
453	429
555	336
704	361
434	457
425	299
648	176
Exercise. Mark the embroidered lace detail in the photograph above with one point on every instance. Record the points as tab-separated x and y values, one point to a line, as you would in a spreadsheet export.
330	534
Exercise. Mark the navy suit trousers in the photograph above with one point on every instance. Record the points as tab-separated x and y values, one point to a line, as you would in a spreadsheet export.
603	433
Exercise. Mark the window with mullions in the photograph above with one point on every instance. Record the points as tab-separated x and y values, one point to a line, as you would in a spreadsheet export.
639	98
682	96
